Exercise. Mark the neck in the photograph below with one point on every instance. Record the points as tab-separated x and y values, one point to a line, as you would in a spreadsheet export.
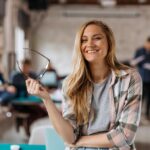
99	72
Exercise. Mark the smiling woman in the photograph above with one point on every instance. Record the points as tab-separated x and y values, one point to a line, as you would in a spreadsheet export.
94	44
101	97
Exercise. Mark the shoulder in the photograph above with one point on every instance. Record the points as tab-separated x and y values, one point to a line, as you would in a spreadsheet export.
133	77
128	72
130	82
134	73
140	50
15	74
129	75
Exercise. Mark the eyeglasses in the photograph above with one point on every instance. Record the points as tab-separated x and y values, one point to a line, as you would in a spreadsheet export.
41	74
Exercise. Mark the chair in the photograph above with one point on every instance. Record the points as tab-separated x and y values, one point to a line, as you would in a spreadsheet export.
53	140
46	135
38	135
25	113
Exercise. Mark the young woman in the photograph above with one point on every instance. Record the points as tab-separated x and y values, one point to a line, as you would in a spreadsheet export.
102	98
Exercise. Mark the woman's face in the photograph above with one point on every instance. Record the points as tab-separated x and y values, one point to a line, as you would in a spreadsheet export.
94	45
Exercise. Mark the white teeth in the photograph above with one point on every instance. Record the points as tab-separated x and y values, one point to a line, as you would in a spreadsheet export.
92	51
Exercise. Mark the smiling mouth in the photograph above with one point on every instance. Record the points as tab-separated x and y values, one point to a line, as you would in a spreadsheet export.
91	51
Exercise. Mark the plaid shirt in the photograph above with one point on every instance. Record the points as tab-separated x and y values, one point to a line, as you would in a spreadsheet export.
125	94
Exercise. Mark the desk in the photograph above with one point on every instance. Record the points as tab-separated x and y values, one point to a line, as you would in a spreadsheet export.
23	147
25	112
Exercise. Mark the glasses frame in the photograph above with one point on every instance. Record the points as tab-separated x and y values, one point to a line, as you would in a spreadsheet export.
41	74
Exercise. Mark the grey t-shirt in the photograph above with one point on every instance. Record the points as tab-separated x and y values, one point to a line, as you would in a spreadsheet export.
101	105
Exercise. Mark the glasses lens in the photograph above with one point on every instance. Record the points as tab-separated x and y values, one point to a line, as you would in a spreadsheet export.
34	66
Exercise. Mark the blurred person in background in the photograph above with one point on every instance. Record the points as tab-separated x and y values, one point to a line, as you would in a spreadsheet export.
18	78
142	61
7	92
101	97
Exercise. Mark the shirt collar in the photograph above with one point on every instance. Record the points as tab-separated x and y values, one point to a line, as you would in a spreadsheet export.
118	74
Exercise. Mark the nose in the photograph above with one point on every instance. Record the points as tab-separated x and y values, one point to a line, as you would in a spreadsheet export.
90	42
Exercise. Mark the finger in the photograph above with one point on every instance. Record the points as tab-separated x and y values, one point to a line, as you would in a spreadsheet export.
37	88
28	84
28	81
30	87
42	88
33	87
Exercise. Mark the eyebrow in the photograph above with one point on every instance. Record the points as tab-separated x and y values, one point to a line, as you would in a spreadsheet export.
94	35
98	34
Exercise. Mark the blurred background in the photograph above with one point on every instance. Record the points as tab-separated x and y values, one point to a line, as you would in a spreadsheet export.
49	27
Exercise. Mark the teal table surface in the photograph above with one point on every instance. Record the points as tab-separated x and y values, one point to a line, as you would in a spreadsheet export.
30	98
23	147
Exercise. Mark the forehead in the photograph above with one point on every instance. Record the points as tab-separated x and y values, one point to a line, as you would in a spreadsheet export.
92	29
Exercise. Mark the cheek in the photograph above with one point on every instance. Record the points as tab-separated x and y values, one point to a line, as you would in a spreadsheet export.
104	44
84	54
83	49
106	52
105	47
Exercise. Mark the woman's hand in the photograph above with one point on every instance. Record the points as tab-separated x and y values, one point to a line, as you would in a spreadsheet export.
35	88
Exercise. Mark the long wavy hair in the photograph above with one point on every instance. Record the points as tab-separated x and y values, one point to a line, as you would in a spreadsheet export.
78	84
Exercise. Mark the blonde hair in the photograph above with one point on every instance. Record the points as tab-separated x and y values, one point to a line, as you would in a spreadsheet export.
78	83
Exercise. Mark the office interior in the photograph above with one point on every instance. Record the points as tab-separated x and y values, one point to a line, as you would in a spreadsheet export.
49	27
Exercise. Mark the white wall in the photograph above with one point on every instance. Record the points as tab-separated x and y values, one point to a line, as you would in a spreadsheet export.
56	32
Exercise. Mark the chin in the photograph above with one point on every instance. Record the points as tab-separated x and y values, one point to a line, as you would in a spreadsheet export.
95	60
91	60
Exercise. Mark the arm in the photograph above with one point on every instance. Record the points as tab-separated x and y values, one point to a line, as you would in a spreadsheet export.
138	58
62	126
146	66
125	131
123	134
99	140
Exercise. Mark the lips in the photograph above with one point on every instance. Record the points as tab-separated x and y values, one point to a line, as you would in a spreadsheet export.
91	51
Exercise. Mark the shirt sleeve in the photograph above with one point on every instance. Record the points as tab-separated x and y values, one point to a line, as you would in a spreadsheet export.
68	113
139	57
123	134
